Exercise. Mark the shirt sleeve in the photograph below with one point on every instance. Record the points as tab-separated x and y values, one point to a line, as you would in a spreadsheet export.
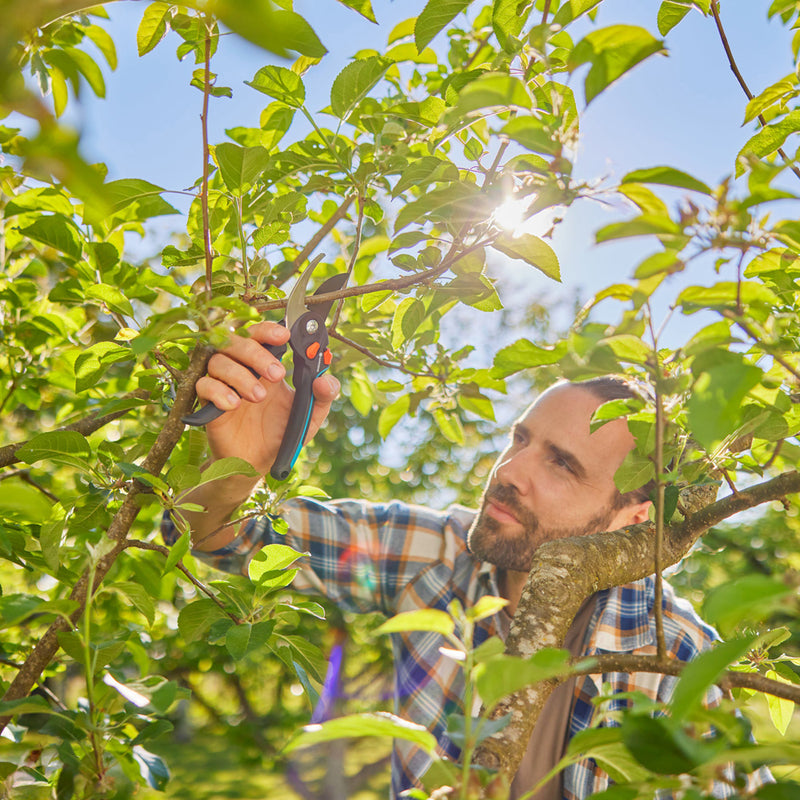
361	555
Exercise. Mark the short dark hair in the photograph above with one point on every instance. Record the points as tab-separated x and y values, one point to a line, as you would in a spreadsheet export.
617	387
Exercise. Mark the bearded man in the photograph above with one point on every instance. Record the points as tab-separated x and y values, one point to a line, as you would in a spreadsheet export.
555	479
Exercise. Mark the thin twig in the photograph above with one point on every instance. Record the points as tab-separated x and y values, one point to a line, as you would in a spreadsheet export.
352	264
418	279
86	426
314	241
383	362
160	548
658	609
209	259
740	78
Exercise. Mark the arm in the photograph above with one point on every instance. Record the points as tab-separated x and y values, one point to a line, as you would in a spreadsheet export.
251	429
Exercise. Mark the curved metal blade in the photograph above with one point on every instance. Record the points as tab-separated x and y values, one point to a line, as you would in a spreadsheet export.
296	303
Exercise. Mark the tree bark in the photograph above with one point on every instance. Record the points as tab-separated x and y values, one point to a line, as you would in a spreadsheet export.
566	572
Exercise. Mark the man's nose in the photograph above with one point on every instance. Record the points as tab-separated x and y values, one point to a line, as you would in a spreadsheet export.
515	469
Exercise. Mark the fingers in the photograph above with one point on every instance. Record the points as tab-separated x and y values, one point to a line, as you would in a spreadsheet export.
230	371
326	390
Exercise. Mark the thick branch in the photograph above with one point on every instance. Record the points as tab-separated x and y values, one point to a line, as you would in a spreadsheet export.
47	646
566	572
85	426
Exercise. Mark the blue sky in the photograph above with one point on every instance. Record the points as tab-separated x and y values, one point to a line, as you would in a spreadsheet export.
684	110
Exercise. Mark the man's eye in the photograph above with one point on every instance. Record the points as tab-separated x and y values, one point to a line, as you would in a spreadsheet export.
562	463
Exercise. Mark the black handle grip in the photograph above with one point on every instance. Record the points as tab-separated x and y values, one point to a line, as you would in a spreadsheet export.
209	412
311	358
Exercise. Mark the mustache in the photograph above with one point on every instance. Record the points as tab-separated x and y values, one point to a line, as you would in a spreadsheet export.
508	496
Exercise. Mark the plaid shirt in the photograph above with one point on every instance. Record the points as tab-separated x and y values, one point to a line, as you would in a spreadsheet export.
396	557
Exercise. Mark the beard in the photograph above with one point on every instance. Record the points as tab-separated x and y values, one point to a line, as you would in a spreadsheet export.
514	550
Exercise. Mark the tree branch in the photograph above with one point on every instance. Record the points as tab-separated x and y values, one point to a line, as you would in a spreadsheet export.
566	572
42	654
160	548
397	284
623	662
208	256
85	426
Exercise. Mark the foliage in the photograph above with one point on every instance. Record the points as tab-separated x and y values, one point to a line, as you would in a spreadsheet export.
106	632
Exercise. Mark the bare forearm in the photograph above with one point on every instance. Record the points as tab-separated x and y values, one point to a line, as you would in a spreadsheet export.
219	499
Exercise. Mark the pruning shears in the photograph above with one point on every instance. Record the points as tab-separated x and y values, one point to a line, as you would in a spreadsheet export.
311	357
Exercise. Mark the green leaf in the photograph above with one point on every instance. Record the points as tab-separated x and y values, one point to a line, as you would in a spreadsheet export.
779	91
110	297
89	68
426	619
780	710
58	232
643	225
392	414
670	13
747	599
572	9
272	558
152	768
410	314
700	674
532	250
14	608
486	607
177	551
61	447
503	675
354	83
768	139
140	199
612	51
104	43
153	27
635	471
139	598
667	176
275	29
281	84
195	619
715	403
25	705
605	746
493	90
226	468
507	21
450	425
657	744
379	723
94	362
434	17
363	7
240	166
524	354
238	639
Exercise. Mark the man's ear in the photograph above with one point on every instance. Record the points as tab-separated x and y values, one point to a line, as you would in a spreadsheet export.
640	512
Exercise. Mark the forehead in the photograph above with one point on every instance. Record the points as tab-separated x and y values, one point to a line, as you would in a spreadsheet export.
562	416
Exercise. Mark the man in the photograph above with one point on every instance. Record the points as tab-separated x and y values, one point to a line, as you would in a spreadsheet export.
555	479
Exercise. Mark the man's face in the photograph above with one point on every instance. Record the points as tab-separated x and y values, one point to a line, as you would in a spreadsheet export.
554	480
